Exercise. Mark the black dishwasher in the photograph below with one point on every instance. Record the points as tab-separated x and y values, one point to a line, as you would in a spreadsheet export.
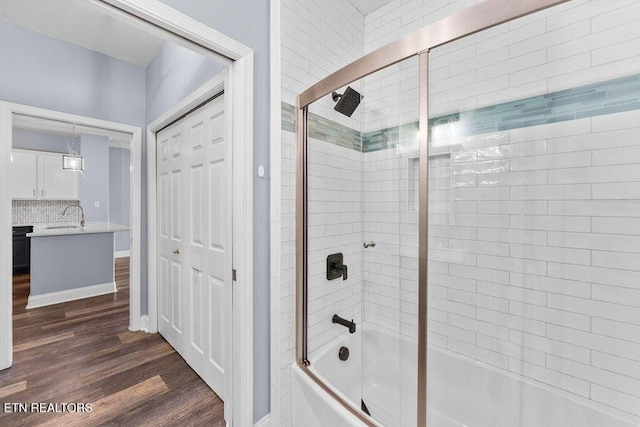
21	249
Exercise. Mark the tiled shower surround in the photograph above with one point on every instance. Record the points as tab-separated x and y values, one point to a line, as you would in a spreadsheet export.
610	96
534	251
335	225
34	212
534	237
535	269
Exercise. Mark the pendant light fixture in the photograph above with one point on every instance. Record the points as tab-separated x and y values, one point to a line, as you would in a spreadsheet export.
73	161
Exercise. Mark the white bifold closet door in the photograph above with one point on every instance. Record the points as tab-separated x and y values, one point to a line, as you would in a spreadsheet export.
194	239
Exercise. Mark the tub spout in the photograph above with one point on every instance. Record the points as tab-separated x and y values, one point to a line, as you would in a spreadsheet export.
344	322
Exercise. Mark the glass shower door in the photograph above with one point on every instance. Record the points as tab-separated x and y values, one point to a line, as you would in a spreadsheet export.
362	248
534	303
390	239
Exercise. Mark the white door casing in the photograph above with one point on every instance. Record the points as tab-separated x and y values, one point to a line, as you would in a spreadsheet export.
194	239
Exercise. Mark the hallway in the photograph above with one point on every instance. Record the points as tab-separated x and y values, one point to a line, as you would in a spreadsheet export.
82	352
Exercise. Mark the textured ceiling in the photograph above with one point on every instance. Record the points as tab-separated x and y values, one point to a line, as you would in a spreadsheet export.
367	6
82	23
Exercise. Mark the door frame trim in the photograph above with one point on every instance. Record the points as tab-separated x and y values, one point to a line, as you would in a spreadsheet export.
7	110
181	29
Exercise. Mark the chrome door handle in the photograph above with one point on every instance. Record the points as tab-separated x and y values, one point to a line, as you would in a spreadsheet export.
176	251
34	192
42	192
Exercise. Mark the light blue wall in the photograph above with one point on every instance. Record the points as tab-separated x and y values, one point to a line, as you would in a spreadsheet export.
94	180
45	72
39	141
248	22
119	190
173	74
60	263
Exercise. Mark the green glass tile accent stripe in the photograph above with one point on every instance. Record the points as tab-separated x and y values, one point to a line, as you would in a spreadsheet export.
607	97
334	133
323	129
390	138
288	117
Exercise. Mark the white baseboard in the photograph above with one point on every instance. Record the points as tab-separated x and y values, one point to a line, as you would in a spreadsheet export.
35	301
264	421
141	325
144	323
121	254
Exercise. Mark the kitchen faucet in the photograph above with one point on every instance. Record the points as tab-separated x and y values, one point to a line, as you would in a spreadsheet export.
64	212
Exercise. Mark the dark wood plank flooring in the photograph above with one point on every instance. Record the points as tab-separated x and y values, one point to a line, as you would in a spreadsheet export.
82	352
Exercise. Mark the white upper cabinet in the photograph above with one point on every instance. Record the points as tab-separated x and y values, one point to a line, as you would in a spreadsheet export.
54	182
39	175
24	182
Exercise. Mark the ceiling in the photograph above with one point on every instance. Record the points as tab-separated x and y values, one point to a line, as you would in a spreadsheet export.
367	6
82	23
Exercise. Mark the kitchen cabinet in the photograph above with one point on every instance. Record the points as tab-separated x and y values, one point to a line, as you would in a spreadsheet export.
21	249
24	181
55	182
39	175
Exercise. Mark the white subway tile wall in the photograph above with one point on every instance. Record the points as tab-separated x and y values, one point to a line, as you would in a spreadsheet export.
560	48
391	221
532	231
547	287
318	38
335	226
288	273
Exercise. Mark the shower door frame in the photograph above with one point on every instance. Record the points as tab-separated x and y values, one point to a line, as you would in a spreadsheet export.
470	21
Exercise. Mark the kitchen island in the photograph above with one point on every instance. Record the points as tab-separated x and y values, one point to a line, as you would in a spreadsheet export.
69	262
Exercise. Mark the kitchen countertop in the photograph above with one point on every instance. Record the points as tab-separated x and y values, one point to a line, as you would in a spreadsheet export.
40	230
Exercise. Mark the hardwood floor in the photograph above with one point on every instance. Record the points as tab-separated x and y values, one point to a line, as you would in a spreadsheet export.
82	352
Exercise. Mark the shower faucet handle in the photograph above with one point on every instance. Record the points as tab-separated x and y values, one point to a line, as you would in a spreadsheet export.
336	267
344	270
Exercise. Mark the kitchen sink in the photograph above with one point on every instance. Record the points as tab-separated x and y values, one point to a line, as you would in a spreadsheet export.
59	227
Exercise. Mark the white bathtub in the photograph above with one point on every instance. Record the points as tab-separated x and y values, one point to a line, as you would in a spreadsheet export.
461	392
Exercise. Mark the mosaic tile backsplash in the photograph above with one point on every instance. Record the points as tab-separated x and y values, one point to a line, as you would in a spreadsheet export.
32	212
607	97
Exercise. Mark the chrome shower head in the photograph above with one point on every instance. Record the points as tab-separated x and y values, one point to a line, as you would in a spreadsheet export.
347	102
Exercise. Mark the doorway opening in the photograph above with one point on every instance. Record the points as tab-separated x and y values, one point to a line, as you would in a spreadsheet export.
185	32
